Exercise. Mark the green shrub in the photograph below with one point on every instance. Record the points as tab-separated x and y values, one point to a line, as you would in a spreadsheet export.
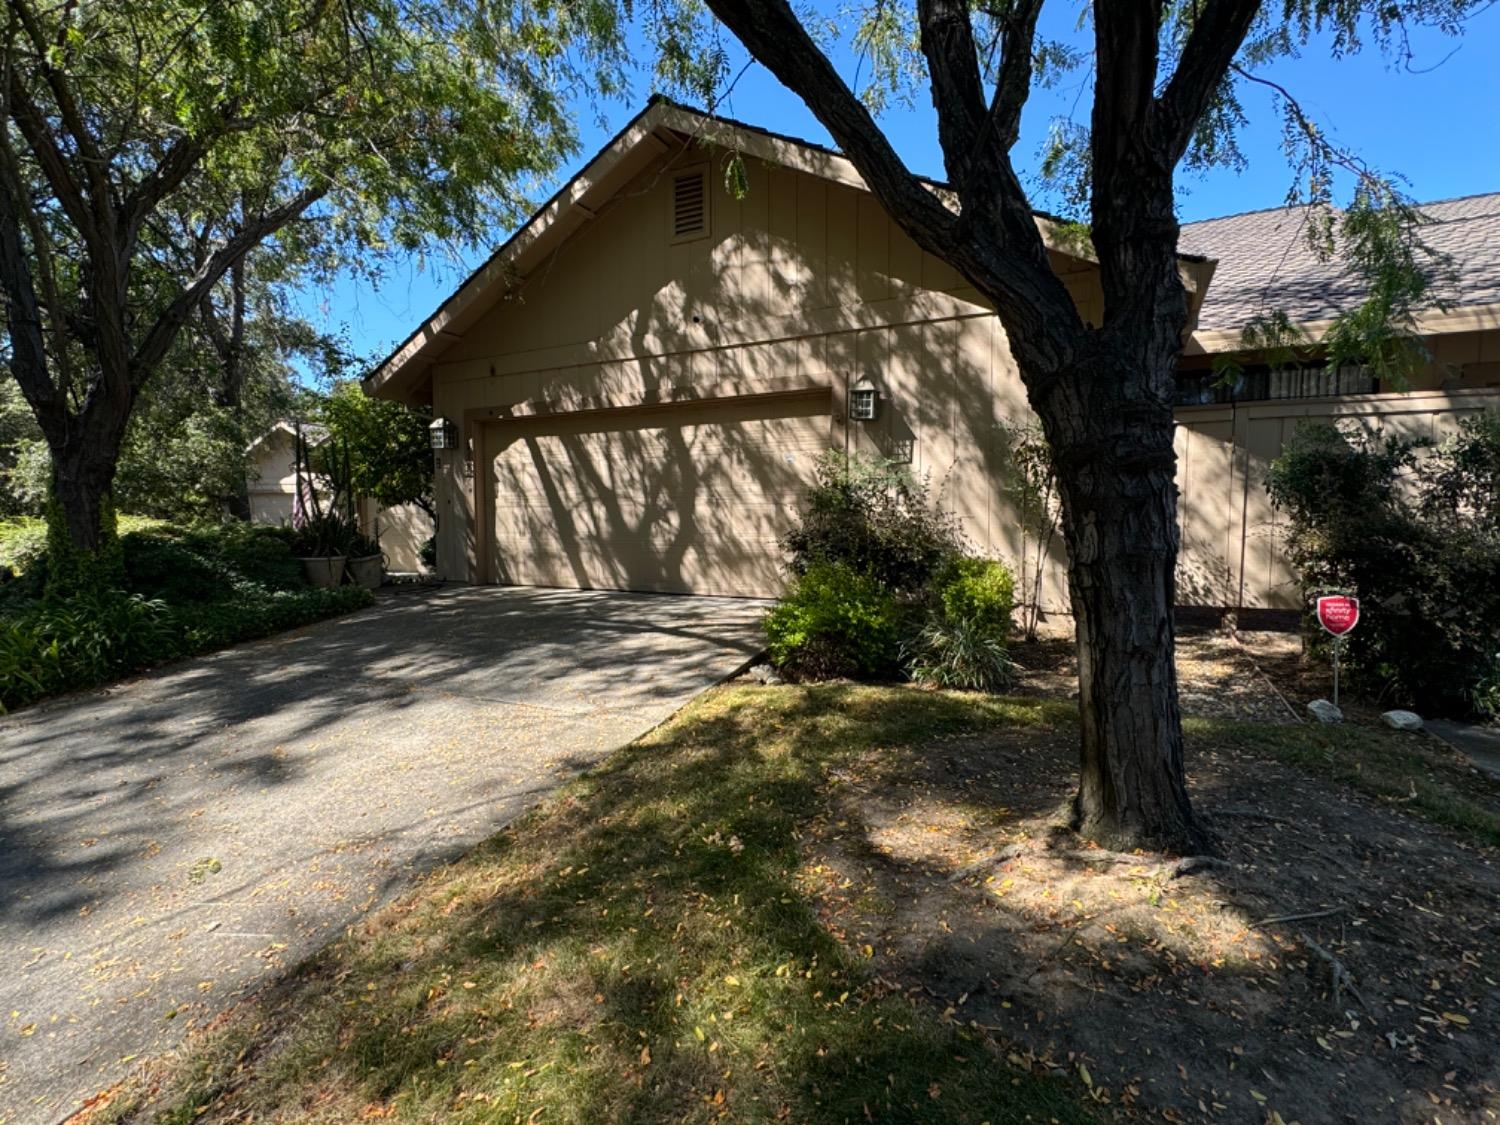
958	653
206	627
200	563
101	633
188	590
963	641
1487	692
30	663
23	541
978	592
75	642
1418	540
835	621
875	519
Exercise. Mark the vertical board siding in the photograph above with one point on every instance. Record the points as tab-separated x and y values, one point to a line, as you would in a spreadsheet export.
803	280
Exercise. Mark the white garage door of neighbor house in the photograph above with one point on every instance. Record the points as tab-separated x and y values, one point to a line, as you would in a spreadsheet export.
687	498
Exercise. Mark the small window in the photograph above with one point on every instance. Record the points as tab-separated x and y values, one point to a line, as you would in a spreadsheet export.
1263	384
689	205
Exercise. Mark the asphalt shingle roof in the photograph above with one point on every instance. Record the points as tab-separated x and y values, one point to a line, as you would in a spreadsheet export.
1265	263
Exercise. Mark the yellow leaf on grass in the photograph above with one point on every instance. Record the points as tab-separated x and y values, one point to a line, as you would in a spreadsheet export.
1454	1017
645	1056
1083	1073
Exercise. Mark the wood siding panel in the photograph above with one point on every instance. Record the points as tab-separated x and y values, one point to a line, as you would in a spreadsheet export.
807	279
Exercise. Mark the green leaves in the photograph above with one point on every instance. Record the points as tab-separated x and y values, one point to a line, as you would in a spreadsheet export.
736	181
389	455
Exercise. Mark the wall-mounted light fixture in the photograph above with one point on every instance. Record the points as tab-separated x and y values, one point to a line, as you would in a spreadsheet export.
864	401
443	434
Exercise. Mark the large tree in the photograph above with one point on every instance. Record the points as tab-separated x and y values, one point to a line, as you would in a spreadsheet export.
1165	81
148	146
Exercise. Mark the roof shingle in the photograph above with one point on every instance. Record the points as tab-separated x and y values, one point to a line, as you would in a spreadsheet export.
1265	263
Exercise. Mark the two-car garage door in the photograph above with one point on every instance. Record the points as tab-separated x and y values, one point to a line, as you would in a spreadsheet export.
685	498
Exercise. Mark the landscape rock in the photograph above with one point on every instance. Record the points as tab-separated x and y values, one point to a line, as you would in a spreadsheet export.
1402	720
1325	712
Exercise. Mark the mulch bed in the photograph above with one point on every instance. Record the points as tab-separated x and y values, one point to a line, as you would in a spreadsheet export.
1340	966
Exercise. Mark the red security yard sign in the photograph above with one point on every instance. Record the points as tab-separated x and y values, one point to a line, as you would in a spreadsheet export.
1338	614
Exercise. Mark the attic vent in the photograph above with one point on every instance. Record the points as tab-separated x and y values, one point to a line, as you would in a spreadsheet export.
689	205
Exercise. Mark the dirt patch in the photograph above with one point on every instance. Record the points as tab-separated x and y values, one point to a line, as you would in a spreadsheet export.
1216	678
1210	996
1281	659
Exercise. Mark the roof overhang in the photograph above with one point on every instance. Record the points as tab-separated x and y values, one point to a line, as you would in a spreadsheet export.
314	435
663	126
1429	322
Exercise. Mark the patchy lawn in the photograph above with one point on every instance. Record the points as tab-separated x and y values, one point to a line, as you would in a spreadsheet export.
847	903
644	947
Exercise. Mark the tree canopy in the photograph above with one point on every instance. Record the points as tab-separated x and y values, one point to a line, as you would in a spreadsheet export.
385	446
149	146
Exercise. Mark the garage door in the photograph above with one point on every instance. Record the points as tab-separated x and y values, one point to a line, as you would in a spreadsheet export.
688	498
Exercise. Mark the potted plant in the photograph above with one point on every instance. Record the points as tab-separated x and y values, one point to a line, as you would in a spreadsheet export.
366	564
321	542
321	537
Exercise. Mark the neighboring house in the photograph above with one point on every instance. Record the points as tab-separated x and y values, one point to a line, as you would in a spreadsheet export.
1227	438
272	488
639	382
272	480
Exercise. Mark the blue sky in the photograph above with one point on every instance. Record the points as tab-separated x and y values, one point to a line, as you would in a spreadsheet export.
1435	122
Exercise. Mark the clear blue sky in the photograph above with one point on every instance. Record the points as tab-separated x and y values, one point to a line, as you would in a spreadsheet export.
1436	123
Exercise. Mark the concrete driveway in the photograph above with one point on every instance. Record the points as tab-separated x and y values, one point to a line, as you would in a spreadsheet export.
169	843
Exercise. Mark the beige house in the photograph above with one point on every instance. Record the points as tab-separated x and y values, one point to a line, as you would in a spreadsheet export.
639	382
272	487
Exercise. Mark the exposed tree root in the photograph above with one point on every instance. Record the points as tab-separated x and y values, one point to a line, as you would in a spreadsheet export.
1341	976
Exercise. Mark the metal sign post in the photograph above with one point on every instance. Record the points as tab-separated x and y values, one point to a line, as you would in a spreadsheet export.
1338	614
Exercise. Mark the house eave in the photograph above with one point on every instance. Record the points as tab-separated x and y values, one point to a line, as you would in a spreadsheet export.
661	127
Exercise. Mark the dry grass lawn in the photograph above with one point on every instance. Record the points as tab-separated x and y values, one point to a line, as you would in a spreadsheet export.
842	903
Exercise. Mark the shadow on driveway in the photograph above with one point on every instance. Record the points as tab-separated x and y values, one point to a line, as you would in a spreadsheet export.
173	840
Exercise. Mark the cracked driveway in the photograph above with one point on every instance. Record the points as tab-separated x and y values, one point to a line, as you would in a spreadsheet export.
169	843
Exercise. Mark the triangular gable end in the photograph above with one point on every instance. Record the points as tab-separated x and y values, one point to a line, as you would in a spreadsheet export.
660	127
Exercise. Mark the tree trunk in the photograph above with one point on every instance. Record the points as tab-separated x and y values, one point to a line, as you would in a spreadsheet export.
1120	524
80	489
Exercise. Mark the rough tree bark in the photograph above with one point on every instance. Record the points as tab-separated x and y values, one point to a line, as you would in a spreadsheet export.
1103	392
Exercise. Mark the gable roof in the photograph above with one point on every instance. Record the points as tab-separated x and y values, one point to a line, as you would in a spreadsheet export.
314	433
1265	264
659	128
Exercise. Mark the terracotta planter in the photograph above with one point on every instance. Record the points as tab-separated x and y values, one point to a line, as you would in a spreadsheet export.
326	570
368	571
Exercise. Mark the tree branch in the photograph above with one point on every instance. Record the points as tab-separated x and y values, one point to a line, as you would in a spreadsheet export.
1125	36
93	161
1013	84
953	72
155	344
1217	35
37	133
23	315
995	242
771	31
